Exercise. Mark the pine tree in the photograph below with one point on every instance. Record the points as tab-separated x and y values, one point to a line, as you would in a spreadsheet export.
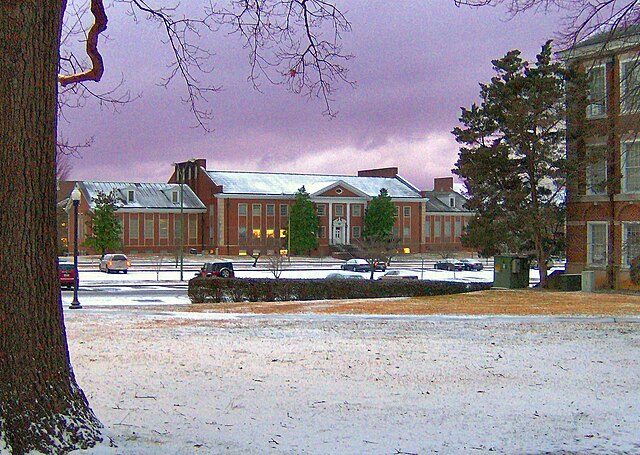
513	158
379	218
106	229
304	224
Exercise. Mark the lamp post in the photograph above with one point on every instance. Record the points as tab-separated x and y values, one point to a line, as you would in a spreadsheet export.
75	197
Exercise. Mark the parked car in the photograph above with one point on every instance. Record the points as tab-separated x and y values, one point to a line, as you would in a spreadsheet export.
449	264
472	264
222	269
114	263
362	265
344	275
67	274
399	275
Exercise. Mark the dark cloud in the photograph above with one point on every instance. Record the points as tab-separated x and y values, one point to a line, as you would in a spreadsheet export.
416	63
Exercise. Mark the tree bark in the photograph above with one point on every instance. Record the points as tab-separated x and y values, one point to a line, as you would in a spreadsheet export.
41	406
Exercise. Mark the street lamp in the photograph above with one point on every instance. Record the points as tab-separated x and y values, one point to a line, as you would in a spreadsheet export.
75	197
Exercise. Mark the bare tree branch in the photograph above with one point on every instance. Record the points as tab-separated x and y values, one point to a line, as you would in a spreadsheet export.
292	42
181	35
97	69
582	18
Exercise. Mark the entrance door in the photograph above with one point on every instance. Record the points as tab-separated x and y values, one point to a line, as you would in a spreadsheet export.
339	231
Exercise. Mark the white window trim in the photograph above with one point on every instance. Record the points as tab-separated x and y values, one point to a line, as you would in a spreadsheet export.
624	109
606	243
625	251
149	222
623	161
165	222
606	103
193	226
588	189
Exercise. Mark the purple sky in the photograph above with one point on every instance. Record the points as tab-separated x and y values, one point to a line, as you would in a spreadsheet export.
416	63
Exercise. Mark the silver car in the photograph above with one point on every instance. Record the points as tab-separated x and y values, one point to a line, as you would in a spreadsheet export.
114	263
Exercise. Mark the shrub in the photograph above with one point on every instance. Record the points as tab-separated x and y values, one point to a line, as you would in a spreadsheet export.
266	290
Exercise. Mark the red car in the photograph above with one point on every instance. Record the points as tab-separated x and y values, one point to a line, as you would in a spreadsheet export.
67	274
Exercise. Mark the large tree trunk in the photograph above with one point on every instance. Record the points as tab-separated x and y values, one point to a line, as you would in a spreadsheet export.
41	406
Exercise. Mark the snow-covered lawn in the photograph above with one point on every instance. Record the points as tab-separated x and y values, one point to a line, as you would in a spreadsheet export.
177	383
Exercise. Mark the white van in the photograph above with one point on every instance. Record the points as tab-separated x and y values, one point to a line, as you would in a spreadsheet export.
114	263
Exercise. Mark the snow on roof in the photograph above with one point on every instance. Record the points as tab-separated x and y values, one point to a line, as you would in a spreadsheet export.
234	182
436	202
146	195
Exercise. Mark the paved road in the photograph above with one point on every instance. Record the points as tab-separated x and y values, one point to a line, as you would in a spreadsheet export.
134	294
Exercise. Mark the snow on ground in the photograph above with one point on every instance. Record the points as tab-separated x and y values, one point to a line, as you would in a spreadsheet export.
165	383
90	277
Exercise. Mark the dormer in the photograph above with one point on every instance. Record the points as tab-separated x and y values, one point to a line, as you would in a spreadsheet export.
172	193
128	194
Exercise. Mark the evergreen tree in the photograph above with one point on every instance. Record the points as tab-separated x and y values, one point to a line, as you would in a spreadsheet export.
106	230
379	218
513	159
304	224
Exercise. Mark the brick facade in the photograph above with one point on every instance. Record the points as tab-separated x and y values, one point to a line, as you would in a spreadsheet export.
256	221
603	200
248	213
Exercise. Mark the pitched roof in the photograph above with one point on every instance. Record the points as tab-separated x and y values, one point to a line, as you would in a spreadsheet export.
435	204
262	183
614	40
147	195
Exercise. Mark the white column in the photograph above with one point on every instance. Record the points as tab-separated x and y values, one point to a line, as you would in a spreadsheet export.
330	215
347	228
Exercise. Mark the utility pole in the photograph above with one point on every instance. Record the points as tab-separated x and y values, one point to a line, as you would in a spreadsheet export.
181	180
289	236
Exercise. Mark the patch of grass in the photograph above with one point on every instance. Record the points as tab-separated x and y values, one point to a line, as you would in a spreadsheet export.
491	302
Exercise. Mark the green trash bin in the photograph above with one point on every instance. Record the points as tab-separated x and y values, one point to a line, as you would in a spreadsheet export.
511	272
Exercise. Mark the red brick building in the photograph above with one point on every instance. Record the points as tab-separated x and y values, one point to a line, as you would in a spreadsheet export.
603	201
236	213
248	212
151	215
445	217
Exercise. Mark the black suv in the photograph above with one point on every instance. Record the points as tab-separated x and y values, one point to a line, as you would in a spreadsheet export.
223	269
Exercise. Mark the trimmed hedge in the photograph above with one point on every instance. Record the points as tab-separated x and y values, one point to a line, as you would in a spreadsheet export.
203	290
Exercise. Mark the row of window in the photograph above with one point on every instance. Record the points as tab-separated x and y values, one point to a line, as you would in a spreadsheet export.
256	209
439	227
321	209
596	168
443	225
629	88
163	228
356	232
338	209
597	245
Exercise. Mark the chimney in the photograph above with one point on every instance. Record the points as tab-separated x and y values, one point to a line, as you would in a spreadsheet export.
443	184
389	172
